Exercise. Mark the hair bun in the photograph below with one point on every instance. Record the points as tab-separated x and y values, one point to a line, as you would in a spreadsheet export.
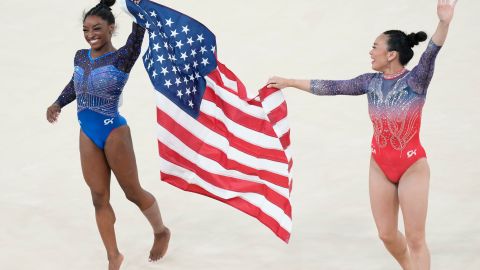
415	38
107	3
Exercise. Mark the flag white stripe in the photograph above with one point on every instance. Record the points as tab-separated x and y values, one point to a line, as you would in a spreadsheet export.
259	201
288	153
281	127
273	101
227	82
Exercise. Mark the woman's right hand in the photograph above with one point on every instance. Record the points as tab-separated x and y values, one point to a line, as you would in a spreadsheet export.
278	82
53	112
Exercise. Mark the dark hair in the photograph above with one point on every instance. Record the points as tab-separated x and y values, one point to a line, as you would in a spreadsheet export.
402	43
103	11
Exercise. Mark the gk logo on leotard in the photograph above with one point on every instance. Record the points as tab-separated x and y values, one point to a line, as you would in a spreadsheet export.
108	121
411	153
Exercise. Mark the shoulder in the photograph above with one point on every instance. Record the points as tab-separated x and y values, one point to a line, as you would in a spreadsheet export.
367	77
79	54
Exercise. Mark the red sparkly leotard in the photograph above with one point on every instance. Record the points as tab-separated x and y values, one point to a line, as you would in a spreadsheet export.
395	108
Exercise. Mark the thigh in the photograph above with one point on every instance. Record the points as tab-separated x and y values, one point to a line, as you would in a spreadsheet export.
383	200
95	168
413	194
121	157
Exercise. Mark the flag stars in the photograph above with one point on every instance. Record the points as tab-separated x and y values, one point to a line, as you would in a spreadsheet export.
190	41
164	71
168	83
179	44
187	67
213	49
140	15
178	81
154	74
191	77
184	56
156	46
195	64
185	29
203	49
194	91
190	103
153	35
179	94
200	38
153	14
185	80
174	33
174	70
147	25
205	62
160	59
188	92
169	22
159	24
193	53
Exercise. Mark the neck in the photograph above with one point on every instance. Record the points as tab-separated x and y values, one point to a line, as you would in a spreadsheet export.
393	71
108	47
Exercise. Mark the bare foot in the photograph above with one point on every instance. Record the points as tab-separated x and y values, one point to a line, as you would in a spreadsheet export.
115	262
160	245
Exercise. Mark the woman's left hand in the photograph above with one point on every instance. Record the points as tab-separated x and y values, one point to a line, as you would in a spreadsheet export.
445	10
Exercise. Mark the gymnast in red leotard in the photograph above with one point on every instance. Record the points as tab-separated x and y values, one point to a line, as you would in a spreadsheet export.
399	172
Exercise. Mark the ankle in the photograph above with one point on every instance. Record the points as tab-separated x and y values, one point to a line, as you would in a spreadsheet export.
114	255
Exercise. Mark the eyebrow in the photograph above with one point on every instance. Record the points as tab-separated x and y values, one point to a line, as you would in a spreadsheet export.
98	24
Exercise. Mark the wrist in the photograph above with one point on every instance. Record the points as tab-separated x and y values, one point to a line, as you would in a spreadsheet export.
291	83
444	23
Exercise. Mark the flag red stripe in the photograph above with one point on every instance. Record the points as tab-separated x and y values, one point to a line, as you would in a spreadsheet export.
265	92
214	153
278	114
238	203
225	182
285	140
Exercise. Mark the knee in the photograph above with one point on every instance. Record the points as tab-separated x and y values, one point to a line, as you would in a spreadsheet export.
416	242
388	237
100	199
133	194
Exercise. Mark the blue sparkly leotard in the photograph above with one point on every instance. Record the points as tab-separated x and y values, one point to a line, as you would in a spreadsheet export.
97	85
395	108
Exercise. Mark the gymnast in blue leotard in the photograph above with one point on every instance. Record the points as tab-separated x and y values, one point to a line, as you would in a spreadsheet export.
100	74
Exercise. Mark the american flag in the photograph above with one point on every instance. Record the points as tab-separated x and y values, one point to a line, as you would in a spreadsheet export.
212	139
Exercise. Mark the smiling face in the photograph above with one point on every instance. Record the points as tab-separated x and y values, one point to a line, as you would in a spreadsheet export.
381	57
97	32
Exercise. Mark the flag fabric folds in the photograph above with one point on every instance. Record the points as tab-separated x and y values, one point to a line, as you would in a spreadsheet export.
212	139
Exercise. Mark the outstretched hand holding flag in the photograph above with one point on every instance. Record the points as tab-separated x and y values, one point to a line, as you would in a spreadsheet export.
212	139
